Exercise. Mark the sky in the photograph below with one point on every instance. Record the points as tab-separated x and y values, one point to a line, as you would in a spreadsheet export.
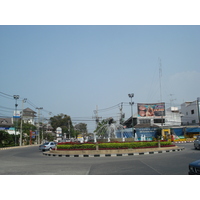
75	69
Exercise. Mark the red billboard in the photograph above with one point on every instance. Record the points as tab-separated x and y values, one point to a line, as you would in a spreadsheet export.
155	110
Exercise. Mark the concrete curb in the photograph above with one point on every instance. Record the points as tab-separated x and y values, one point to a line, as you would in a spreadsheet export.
18	147
111	155
183	142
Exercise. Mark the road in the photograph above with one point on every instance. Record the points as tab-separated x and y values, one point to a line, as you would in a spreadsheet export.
31	161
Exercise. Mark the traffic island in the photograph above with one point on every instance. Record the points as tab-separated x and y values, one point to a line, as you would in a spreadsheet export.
111	153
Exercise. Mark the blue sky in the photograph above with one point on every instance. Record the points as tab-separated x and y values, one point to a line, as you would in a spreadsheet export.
71	69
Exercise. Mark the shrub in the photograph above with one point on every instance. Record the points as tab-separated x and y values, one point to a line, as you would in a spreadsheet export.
111	145
76	146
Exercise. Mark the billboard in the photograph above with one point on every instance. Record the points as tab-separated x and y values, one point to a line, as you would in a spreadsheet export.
154	110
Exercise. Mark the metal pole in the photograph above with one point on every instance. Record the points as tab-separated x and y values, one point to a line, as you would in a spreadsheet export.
15	97
198	106
39	124
131	103
23	101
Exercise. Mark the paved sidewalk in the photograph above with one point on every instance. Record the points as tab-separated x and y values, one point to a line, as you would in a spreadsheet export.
14	147
112	153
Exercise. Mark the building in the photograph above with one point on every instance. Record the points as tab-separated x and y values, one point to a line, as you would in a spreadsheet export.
172	117
6	123
190	113
29	116
152	116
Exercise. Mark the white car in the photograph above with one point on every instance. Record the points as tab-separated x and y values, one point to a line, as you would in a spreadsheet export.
47	146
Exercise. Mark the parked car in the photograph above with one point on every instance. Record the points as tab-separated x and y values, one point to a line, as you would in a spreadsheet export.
197	142
47	146
194	168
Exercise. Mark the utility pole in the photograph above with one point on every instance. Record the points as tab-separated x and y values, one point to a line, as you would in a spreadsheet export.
121	114
121	120
171	100
198	106
69	128
39	124
15	116
42	130
97	122
160	75
23	101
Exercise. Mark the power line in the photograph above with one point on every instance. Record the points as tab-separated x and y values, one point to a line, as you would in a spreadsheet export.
6	94
110	108
6	108
31	104
6	97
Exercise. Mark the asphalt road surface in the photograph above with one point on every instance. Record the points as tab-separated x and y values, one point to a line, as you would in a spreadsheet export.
31	161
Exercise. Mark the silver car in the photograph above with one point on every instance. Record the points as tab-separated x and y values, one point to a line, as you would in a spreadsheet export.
197	142
47	146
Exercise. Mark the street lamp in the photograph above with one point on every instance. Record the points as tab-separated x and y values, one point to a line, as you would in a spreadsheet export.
15	116
39	124
23	101
131	103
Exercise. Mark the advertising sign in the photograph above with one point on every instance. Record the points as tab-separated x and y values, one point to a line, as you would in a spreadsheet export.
16	114
59	132
148	132
155	110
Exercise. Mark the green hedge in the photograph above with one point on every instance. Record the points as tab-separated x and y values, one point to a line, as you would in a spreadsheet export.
132	145
76	146
124	145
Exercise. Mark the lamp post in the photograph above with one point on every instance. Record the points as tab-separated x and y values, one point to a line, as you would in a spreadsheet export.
23	101
131	103
15	97
39	124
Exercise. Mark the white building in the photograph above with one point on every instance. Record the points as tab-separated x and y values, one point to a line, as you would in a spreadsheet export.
172	117
29	116
190	113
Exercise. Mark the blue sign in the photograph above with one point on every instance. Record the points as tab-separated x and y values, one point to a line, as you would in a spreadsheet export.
127	133
146	132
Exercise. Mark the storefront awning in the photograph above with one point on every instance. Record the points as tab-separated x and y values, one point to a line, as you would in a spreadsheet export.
193	130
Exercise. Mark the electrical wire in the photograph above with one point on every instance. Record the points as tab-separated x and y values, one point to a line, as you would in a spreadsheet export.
6	108
6	94
110	108
6	97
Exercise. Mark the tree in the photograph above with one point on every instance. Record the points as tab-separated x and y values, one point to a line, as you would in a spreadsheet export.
27	127
3	137
63	121
108	121
100	124
49	136
7	139
81	127
158	136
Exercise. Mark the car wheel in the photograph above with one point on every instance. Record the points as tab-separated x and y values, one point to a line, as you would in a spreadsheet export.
50	149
